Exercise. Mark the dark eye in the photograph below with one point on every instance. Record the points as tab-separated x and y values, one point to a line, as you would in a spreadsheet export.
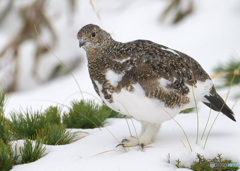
93	34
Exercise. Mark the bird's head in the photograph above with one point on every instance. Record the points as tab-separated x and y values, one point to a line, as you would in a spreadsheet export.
92	37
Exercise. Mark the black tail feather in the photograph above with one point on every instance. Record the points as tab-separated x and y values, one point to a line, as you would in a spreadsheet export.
216	103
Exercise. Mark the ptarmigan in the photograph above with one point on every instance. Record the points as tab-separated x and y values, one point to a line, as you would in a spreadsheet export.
150	82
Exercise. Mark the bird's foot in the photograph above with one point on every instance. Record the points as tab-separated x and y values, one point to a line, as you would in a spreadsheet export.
131	143
128	142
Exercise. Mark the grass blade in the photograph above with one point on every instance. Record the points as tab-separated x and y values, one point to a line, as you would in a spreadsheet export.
230	85
197	115
206	123
59	60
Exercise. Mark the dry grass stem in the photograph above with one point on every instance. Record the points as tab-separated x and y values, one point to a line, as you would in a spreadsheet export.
58	59
94	9
79	138
107	152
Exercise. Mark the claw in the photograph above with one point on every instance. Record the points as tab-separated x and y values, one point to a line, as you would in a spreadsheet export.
123	142
120	145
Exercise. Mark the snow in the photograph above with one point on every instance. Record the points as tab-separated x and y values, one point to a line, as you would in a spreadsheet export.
98	150
210	35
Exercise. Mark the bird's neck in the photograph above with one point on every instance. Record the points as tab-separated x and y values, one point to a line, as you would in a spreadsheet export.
101	51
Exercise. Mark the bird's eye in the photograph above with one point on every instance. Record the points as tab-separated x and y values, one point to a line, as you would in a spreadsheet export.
93	34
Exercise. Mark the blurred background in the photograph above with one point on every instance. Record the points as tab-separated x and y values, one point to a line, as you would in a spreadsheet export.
207	30
24	61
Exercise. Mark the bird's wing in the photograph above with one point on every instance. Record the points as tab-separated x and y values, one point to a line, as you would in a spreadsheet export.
170	63
163	72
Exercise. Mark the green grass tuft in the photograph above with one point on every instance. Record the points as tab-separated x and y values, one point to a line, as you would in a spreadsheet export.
25	125
5	130
87	114
44	125
7	156
56	135
52	115
216	163
32	151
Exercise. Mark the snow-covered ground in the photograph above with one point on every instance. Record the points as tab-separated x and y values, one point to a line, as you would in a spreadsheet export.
98	150
210	35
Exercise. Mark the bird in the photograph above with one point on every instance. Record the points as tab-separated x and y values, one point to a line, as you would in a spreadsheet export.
150	82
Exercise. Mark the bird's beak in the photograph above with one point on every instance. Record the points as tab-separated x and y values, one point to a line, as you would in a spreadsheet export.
81	43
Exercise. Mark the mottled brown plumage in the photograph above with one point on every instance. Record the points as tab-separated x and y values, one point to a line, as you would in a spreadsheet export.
164	74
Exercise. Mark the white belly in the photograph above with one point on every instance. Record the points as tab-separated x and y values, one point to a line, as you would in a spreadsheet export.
137	105
142	108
